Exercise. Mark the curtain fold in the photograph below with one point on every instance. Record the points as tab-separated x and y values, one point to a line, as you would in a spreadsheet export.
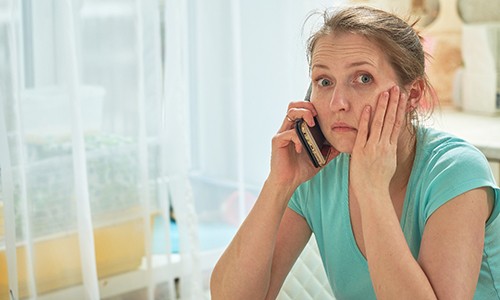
69	18
136	137
11	113
175	129
90	194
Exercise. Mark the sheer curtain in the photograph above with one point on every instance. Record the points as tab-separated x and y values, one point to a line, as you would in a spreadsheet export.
135	136
89	187
247	62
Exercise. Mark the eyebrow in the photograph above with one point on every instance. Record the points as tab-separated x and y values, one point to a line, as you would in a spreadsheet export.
321	66
360	63
351	65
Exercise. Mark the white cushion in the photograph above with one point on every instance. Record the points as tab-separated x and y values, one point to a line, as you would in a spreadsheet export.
307	279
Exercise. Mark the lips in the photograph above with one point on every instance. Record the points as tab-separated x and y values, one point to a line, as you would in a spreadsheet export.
342	127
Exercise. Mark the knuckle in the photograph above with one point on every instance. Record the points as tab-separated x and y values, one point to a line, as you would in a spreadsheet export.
294	104
378	123
277	140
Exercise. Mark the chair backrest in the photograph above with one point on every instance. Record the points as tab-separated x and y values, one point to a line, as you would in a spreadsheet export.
307	279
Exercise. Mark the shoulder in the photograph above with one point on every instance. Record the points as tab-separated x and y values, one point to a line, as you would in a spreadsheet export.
446	167
440	152
439	143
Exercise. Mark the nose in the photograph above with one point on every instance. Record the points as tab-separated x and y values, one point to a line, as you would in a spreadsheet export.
339	99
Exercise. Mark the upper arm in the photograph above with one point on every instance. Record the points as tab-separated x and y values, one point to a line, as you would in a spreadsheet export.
452	244
293	235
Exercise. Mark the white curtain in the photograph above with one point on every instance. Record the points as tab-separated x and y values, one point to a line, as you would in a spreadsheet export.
135	136
247	62
90	124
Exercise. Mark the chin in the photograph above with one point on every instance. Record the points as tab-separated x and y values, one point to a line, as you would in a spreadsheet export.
342	145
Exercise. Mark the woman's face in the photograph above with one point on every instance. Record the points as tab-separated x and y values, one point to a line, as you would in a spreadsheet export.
348	72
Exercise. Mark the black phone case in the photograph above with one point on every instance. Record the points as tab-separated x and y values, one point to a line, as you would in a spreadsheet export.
311	137
313	140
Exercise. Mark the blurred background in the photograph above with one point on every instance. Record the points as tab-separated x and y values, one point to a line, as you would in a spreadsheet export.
135	134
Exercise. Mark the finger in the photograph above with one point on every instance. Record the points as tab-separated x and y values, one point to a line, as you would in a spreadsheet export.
298	110
390	115
299	107
294	114
400	119
287	124
287	138
379	116
302	104
362	136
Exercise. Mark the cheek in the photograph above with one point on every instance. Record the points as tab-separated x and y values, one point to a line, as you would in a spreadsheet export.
367	96
321	105
363	99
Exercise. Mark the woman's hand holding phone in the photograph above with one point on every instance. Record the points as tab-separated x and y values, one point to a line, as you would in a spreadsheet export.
290	163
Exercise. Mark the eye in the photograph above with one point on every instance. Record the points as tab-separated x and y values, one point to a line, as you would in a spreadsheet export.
324	82
364	78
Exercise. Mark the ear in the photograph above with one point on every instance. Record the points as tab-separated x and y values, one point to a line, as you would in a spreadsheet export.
415	94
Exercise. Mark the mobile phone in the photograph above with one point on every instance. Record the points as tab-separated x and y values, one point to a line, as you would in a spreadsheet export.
312	138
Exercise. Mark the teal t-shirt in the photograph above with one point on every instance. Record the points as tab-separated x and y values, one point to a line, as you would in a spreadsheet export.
444	167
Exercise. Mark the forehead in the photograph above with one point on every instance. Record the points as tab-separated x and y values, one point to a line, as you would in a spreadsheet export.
347	48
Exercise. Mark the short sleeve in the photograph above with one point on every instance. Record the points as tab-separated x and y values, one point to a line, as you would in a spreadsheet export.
454	170
296	203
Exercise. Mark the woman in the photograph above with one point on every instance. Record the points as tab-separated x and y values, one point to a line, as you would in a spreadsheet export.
399	212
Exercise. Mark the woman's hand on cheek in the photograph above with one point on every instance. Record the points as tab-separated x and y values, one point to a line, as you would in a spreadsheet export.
374	155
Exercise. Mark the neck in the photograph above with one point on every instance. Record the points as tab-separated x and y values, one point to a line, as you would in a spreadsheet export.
406	155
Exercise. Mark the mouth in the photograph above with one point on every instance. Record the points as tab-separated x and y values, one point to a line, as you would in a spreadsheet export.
342	127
